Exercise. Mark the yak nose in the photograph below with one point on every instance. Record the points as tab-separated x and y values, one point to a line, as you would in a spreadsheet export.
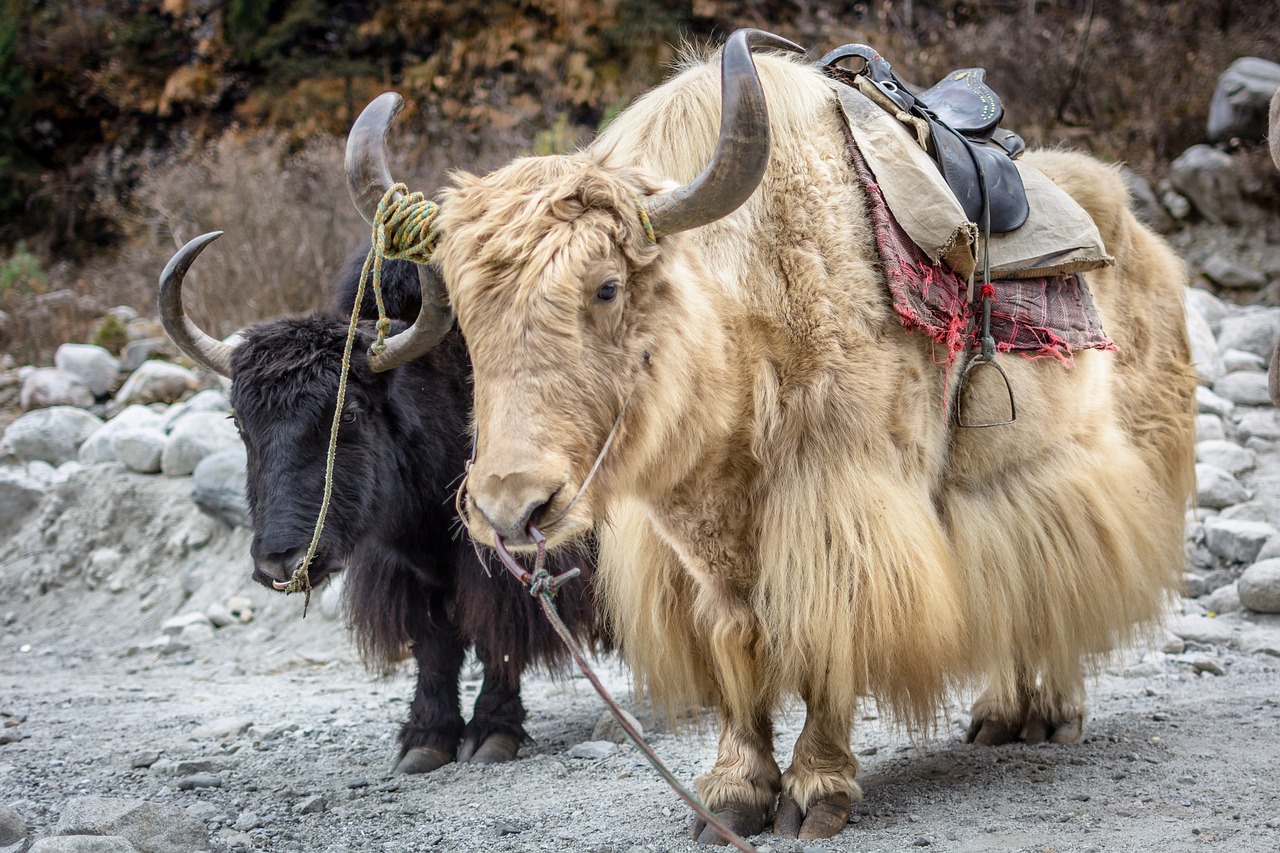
511	502
276	566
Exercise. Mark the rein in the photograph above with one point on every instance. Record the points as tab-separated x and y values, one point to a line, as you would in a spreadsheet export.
543	586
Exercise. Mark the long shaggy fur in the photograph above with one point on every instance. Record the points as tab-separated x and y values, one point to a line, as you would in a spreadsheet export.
787	510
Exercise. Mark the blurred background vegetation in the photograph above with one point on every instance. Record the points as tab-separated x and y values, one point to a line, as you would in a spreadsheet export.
129	126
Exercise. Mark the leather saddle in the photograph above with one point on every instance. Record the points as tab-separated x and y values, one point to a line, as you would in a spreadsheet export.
958	120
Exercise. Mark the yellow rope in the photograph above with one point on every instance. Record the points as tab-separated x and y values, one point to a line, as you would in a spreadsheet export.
403	229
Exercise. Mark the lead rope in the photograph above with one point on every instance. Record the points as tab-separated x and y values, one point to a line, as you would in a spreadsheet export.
543	586
403	228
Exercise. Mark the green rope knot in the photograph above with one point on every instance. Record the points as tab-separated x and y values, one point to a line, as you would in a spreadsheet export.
403	229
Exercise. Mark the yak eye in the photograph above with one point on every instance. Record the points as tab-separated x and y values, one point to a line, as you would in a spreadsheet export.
608	291
349	416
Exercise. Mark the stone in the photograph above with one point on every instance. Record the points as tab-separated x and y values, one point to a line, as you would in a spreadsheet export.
609	729
1208	306
209	400
1224	599
97	368
1211	181
53	435
13	828
1254	330
135	353
139	449
195	437
1244	389
1210	403
1241	98
1178	205
219	616
83	844
49	386
176	624
221	729
1206	357
156	382
199	780
1270	549
1260	641
246	821
1145	204
1259	586
1247	511
1231	274
593	749
1226	455
97	447
144	759
1216	488
1237	540
200	632
1237	359
1263	424
20	495
149	827
1210	428
1202	629
314	804
218	486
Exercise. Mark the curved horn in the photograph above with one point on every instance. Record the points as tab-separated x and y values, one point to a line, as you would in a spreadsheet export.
368	180
203	350
742	152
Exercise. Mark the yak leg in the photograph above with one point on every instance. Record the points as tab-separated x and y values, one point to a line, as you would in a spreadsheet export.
818	789
1048	708
429	739
741	787
496	729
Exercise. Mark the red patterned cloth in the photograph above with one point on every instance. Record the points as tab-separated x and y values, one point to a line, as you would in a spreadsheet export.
1036	317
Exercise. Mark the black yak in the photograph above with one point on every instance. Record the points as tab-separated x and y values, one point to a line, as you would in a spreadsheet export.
413	577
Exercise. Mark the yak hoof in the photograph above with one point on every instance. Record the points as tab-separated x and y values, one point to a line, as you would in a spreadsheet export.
495	749
991	733
740	817
421	759
826	816
1040	730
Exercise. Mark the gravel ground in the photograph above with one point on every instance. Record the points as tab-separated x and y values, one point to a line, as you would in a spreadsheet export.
294	748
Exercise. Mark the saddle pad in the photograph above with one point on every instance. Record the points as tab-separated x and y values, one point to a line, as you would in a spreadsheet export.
1046	316
1058	237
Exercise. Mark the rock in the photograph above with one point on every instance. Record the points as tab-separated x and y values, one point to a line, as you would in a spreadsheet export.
1270	549
1260	641
97	447
194	437
1211	404
219	616
246	821
1202	629
241	608
1259	586
135	353
97	368
1145	204
149	827
1235	359
1244	389
156	382
1224	599
1210	428
1254	330
84	844
221	729
1211	181
1231	274
139	449
53	435
1173	644
208	400
1261	424
594	749
20	494
1240	100
314	804
144	759
218	486
199	780
13	828
176	624
1216	488
609	729
1193	585
200	632
1247	511
49	386
1178	205
1208	306
1226	455
1237	540
1205	355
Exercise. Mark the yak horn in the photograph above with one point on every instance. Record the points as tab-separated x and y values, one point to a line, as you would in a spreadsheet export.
368	180
742	152
203	349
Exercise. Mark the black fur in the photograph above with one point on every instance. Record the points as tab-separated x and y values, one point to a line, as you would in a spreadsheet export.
413	578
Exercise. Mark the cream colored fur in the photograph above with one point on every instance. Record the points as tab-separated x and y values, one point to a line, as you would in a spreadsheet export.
787	511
